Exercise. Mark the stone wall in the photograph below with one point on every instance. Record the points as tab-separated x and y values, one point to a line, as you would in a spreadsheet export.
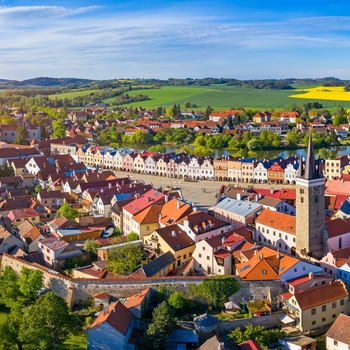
79	291
266	321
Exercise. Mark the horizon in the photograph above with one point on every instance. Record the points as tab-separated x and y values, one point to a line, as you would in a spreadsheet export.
245	40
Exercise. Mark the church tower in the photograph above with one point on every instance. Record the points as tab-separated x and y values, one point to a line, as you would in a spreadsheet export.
310	185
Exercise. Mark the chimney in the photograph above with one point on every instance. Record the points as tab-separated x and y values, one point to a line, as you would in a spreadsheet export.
160	216
166	198
239	196
271	190
311	275
261	256
110	185
178	205
223	239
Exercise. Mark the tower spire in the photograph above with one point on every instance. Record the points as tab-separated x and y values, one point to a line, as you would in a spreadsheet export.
310	165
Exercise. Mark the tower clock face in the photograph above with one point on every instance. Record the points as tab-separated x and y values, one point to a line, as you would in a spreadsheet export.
316	190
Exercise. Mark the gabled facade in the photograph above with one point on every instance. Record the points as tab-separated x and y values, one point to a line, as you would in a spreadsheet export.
319	306
112	329
338	336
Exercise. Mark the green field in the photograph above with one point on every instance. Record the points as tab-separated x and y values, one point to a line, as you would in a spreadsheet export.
72	94
219	97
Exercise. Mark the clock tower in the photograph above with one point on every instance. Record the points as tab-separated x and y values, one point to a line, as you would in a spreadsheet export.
310	185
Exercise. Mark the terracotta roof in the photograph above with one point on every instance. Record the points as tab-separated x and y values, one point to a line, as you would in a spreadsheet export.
337	227
22	213
266	264
102	295
149	215
32	235
174	210
337	187
340	329
279	221
136	299
24	228
143	202
321	295
117	315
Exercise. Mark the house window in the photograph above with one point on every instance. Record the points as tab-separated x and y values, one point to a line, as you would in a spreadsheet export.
313	311
324	308
334	315
334	304
199	255
203	248
185	256
263	272
313	323
323	319
342	302
335	342
208	257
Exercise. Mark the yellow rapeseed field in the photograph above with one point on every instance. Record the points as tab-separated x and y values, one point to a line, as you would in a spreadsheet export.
334	93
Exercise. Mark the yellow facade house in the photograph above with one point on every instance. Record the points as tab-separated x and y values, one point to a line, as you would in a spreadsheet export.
171	239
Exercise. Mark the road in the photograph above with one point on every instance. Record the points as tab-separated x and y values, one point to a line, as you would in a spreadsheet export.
191	191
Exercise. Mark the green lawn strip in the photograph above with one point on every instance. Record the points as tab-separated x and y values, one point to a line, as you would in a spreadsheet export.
74	342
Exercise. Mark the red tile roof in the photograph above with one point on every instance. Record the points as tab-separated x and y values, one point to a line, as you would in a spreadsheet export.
321	295
279	221
143	202
340	329
117	315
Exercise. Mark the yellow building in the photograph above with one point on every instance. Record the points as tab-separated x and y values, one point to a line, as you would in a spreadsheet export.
318	307
171	239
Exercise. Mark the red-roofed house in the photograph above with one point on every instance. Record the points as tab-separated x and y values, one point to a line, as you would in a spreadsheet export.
17	216
214	255
318	307
139	302
137	205
276	230
112	328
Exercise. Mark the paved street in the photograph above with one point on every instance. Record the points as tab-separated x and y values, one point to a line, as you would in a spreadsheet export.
191	191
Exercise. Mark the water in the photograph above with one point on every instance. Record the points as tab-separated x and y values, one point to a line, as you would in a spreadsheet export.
341	150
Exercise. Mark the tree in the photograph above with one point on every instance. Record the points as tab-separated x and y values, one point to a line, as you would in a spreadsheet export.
264	337
6	170
207	113
326	153
22	135
177	300
217	290
30	281
38	188
47	323
9	287
125	260
132	236
59	128
157	148
9	330
163	322
68	212
91	246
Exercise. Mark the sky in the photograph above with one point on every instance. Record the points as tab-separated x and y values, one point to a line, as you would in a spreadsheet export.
114	39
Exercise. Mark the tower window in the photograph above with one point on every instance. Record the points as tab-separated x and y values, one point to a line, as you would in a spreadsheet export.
302	200
301	191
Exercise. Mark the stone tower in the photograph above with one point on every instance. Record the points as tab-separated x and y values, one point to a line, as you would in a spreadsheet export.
310	185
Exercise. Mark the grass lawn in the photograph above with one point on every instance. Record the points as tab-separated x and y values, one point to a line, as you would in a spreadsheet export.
74	342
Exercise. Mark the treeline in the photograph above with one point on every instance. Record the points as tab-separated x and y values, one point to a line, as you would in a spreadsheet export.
123	99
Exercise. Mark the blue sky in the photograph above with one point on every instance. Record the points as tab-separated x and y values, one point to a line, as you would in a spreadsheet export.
108	39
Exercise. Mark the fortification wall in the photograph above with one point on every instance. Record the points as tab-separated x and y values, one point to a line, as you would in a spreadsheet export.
80	291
